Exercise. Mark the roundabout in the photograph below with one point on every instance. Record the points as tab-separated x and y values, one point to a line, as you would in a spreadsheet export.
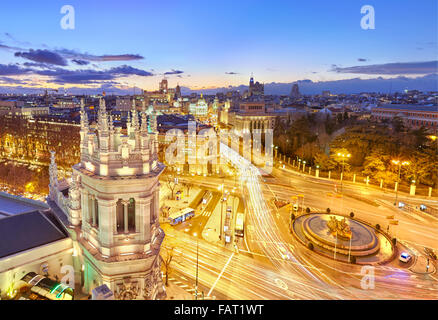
342	238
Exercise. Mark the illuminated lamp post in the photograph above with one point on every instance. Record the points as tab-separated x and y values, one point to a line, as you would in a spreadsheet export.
399	164
343	156
197	265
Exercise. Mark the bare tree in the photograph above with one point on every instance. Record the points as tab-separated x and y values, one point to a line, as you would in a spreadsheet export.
188	185
171	184
166	258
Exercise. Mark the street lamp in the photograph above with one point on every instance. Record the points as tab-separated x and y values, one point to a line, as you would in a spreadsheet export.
197	265
399	164
343	156
222	202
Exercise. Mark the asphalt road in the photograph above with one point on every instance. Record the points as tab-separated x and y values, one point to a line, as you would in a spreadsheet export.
271	264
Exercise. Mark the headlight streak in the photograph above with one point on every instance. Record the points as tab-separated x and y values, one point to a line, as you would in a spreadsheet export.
259	216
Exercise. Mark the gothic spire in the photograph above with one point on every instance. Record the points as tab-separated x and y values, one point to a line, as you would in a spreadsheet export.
134	115
144	124
102	116
84	116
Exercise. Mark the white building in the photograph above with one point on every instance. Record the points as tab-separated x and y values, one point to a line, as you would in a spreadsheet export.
112	207
199	109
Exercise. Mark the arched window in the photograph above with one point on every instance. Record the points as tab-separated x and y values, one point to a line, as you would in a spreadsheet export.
152	209
90	210
120	216
96	212
131	215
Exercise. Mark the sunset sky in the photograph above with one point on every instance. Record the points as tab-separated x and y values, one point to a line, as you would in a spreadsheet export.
212	43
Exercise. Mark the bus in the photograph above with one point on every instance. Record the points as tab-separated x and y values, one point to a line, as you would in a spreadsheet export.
181	216
239	225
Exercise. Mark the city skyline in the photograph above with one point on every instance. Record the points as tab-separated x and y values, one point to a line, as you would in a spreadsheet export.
204	48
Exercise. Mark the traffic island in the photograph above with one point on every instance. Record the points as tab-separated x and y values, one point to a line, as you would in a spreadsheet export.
342	238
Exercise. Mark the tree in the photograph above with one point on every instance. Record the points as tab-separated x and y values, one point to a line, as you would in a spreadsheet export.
422	167
420	137
339	160
330	125
324	161
171	184
188	185
166	258
378	166
398	124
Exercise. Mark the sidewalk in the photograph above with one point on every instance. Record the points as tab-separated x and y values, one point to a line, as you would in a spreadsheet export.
212	227
420	266
176	205
294	170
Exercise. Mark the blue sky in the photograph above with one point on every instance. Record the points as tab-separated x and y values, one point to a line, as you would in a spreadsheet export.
279	41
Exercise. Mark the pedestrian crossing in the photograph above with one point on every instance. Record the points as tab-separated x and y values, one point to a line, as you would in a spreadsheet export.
181	285
206	213
189	289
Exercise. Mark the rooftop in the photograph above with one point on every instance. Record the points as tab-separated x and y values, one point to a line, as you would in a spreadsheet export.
29	230
11	205
411	107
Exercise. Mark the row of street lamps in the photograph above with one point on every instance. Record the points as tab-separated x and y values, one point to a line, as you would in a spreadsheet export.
344	156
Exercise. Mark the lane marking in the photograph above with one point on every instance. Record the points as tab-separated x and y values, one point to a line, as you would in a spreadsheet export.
220	275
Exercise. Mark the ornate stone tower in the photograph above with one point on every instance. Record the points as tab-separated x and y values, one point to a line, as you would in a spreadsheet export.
114	205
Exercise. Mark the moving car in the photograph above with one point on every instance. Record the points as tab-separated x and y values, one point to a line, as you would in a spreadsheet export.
283	253
405	257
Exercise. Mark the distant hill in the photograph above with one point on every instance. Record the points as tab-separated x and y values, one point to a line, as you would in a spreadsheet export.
355	85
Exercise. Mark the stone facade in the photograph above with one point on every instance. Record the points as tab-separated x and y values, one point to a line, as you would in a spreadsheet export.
113	206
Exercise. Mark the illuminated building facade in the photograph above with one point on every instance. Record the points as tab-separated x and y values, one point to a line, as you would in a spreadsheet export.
256	88
252	115
413	115
199	109
112	207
